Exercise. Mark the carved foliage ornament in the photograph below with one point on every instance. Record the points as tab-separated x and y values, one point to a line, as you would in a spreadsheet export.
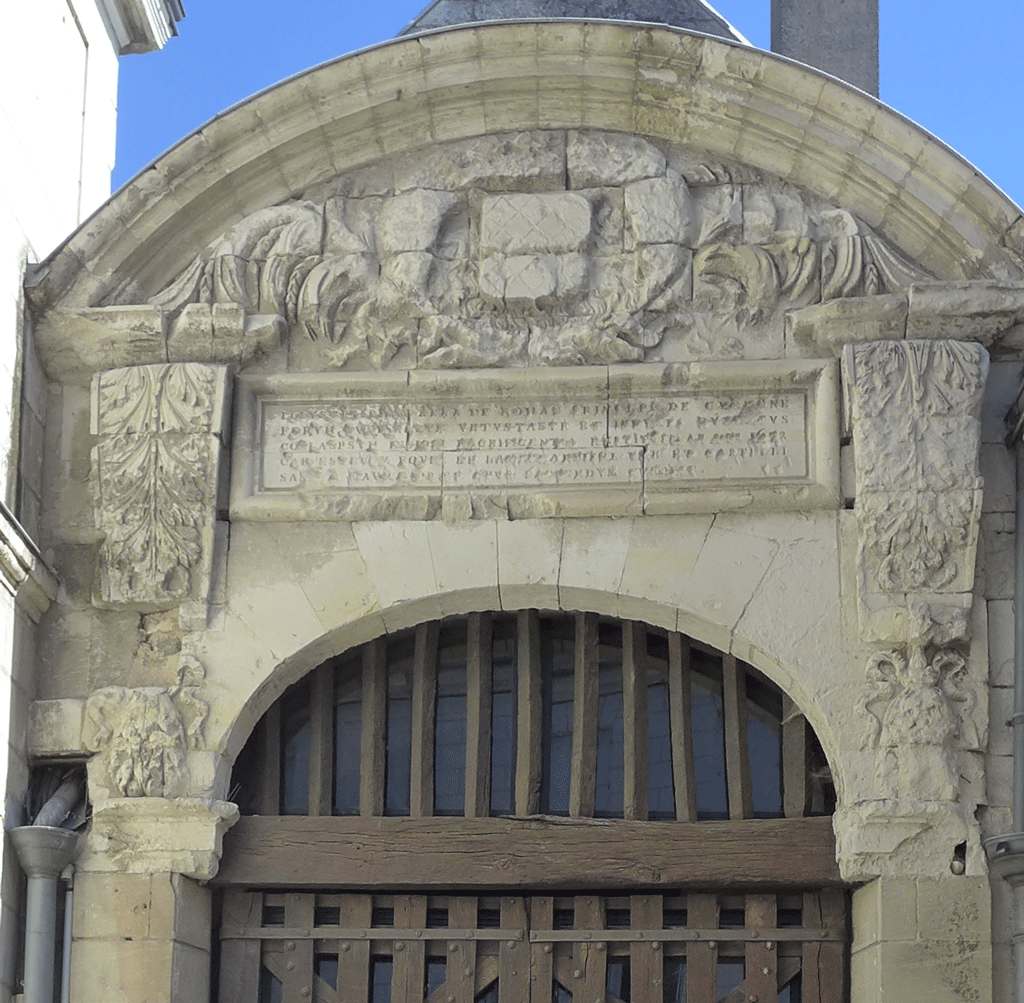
648	257
155	470
918	710
144	734
916	409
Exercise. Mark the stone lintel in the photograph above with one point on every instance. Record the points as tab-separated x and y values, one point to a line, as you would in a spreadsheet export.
537	443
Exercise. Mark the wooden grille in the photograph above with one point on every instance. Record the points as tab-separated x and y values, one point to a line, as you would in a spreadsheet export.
530	713
593	948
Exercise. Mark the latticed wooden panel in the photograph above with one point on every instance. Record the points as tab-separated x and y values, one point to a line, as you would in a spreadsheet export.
636	948
533	713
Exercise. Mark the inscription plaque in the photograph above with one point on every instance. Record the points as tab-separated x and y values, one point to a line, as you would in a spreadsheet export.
619	441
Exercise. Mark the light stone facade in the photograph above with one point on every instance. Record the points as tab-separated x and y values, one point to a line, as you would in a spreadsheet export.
567	316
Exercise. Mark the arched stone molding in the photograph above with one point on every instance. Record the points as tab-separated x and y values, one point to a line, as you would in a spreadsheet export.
719	98
777	606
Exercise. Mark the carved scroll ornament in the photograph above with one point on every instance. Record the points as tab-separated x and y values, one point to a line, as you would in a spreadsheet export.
144	734
648	260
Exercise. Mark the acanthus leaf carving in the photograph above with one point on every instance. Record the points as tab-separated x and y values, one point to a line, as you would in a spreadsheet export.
155	472
144	734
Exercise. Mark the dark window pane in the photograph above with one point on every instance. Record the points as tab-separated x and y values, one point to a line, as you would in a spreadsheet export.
707	718
489	994
617	980
326	967
675	981
295	751
731	919
557	654
764	742
271	990
503	719
793	992
437	972
399	743
450	729
381	970
661	800
348	711
560	994
608	783
245	779
730	975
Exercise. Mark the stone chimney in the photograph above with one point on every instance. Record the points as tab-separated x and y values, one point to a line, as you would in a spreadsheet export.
837	36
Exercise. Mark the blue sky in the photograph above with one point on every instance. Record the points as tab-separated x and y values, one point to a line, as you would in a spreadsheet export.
954	68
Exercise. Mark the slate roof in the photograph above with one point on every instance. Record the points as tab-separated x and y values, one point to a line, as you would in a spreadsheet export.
696	15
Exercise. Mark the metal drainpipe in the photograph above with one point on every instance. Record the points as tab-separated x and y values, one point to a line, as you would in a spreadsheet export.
69	906
1006	852
43	852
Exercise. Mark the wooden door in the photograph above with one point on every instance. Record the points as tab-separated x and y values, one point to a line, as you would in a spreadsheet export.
637	948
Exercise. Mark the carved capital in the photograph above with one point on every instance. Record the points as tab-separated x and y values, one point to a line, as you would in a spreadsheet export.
915	410
904	839
156	473
154	835
143	736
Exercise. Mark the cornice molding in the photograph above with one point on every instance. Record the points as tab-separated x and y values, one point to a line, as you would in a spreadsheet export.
141	25
24	575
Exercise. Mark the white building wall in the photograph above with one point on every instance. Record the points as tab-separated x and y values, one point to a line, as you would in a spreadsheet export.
58	111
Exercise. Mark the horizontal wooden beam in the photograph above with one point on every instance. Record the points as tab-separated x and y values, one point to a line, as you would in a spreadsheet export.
533	853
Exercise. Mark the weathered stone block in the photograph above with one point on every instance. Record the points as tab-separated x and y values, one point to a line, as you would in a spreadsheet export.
55	727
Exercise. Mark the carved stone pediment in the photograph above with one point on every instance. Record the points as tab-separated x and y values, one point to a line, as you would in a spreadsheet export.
541	248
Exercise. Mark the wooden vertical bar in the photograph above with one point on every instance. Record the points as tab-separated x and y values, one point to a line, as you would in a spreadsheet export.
529	741
635	769
354	956
460	971
321	741
240	959
408	975
761	967
737	761
701	957
514	955
794	760
542	969
270	761
478	715
373	748
824	963
584	717
590	956
424	708
684	776
646	962
299	911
